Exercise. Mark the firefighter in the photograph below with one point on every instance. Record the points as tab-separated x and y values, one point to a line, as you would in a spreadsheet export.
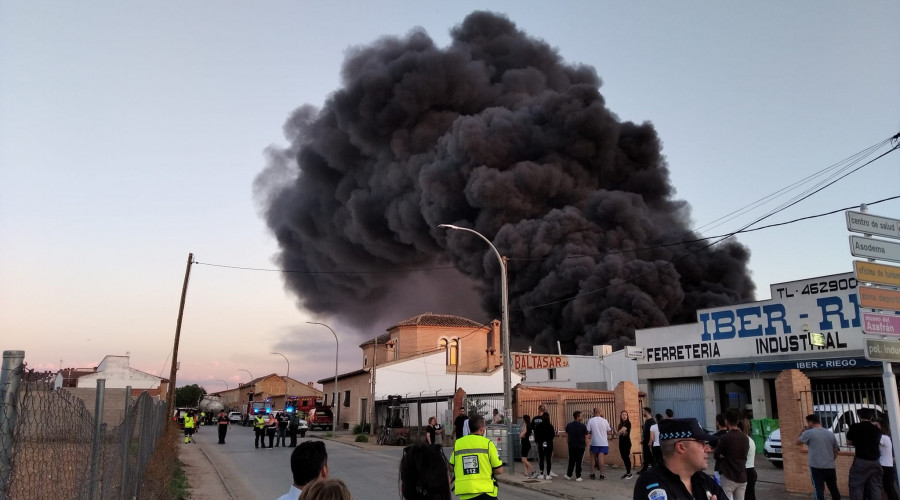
223	422
259	424
189	423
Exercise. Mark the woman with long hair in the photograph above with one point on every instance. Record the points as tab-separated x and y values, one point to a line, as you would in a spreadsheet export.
526	446
424	473
624	432
889	474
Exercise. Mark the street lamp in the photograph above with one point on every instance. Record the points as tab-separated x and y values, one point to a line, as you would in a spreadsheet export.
504	313
224	382
288	363
337	394
248	373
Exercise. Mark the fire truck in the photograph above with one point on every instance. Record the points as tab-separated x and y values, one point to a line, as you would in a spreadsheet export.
254	408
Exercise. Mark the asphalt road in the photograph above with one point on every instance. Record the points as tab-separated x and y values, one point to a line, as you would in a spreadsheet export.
370	473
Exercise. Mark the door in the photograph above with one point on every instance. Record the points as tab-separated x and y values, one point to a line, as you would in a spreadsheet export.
683	395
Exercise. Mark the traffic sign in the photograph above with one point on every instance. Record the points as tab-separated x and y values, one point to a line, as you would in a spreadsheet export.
879	298
860	222
882	350
882	274
881	324
874	249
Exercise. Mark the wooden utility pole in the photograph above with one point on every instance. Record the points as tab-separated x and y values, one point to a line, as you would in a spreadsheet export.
172	374
372	410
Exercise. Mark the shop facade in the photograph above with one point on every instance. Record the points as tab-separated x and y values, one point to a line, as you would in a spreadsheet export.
731	356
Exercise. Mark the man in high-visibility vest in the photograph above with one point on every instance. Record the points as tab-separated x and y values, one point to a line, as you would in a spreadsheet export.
188	426
259	425
475	463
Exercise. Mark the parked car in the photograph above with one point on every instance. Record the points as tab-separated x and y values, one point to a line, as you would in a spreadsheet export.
839	417
235	417
302	427
772	448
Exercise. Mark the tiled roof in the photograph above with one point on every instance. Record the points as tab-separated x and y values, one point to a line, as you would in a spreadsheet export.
431	319
381	339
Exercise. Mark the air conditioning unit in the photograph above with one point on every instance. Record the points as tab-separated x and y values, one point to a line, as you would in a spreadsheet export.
602	350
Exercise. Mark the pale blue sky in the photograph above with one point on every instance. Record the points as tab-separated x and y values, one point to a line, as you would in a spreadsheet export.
130	135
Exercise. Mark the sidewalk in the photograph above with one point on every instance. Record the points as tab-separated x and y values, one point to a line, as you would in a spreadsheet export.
613	487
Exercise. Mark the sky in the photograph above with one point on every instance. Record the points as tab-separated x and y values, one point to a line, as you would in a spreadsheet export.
131	134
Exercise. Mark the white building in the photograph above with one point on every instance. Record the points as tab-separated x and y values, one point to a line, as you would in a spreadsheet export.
115	370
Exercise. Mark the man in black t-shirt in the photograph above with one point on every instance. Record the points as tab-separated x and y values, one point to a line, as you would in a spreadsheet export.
866	472
646	453
459	423
577	434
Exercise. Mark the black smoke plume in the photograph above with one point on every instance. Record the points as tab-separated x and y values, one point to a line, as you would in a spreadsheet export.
496	133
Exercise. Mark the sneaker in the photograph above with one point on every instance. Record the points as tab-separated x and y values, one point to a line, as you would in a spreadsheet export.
624	476
534	475
552	474
578	479
592	476
627	476
601	477
540	476
567	477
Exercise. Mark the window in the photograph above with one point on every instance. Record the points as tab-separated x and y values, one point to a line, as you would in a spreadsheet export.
365	361
347	398
396	348
451	349
453	353
551	373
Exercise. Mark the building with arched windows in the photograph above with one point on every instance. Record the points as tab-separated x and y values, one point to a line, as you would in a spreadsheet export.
423	358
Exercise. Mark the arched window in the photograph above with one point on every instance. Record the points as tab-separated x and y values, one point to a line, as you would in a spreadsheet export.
453	352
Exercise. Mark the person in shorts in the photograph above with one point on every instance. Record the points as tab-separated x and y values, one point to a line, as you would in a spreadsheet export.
599	429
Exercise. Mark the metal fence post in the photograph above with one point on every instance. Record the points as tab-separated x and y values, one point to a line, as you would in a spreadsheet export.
127	432
95	448
10	380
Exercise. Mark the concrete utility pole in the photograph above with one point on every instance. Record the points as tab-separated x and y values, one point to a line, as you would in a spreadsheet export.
173	372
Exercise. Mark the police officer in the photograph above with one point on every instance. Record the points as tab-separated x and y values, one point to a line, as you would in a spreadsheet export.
680	476
475	463
222	420
293	426
259	425
189	424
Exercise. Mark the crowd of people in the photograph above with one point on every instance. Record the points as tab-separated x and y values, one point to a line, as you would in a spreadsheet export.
675	456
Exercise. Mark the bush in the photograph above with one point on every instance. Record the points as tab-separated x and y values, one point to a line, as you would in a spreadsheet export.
361	429
362	438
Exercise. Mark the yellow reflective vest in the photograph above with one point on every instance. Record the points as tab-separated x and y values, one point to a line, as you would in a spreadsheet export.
259	423
474	459
188	422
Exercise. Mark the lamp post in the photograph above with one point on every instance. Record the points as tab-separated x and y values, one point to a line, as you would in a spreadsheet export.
504	313
248	373
224	382
288	374
337	394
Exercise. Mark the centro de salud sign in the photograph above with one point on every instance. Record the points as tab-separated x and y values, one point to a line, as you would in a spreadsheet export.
527	361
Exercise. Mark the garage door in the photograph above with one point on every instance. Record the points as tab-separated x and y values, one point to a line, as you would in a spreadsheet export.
683	395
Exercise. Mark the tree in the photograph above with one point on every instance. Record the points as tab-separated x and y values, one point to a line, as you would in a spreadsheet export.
188	395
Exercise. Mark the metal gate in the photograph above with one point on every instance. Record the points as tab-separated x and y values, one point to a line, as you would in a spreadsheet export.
683	395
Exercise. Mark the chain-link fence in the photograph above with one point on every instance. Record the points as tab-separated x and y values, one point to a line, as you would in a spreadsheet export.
52	446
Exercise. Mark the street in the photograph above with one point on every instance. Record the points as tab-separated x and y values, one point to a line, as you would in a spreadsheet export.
371	472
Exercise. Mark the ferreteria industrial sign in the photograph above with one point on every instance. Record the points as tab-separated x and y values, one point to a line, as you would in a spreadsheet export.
828	306
527	361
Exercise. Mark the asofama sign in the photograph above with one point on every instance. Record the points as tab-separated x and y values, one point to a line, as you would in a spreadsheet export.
828	305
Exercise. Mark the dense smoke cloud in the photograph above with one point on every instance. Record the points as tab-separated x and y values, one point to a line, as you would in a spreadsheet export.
496	133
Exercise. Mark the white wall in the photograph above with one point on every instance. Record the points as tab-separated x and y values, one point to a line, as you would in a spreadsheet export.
610	369
428	375
119	375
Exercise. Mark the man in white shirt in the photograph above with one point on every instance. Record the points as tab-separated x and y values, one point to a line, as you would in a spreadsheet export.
309	462
599	429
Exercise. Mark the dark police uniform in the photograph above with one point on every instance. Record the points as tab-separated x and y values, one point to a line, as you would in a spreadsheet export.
660	483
